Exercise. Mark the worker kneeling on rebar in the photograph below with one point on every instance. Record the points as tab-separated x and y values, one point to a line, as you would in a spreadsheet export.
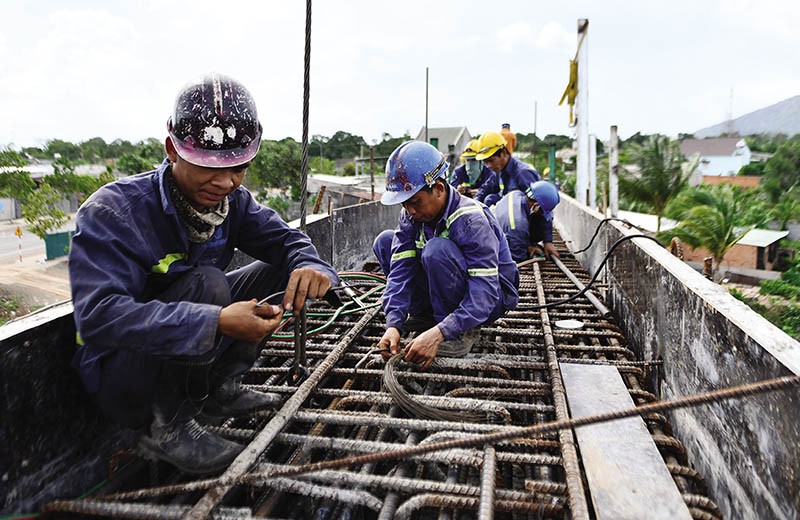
448	265
526	218
512	175
165	333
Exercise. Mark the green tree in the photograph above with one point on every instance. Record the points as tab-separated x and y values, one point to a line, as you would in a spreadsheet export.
662	173
277	165
132	163
343	144
14	183
782	171
41	212
64	149
707	218
94	150
152	150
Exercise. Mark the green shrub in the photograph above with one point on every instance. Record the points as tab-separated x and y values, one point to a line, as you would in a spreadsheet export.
780	288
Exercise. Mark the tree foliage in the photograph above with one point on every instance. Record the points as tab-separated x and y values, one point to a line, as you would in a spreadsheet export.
14	183
662	173
782	170
277	165
708	219
42	213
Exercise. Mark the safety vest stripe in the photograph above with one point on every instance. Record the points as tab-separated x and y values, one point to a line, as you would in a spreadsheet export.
511	206
492	271
462	211
404	254
163	265
79	339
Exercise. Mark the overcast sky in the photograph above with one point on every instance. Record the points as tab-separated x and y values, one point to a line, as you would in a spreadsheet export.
79	69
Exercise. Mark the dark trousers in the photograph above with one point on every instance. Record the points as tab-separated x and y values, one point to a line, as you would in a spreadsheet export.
134	385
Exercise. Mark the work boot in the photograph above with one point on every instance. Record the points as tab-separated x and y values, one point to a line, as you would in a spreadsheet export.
458	346
233	400
189	447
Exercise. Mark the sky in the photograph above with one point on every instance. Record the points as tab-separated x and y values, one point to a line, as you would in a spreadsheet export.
81	69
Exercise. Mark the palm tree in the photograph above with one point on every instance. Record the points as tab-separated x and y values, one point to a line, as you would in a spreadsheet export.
708	219
663	172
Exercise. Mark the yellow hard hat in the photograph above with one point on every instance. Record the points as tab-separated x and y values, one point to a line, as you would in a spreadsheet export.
470	150
489	144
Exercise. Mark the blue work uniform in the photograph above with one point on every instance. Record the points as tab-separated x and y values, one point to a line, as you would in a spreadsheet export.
132	264
516	176
460	177
521	227
459	267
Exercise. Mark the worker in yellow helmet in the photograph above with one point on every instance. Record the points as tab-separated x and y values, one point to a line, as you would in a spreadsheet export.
472	174
513	178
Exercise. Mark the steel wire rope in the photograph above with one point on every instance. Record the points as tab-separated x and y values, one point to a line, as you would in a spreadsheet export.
594	277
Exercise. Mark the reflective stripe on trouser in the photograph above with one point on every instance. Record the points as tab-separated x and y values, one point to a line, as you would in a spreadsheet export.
513	219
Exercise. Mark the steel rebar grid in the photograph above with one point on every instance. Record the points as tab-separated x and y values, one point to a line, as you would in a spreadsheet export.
346	413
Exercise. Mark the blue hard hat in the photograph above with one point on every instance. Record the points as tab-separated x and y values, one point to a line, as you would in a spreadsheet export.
545	194
412	166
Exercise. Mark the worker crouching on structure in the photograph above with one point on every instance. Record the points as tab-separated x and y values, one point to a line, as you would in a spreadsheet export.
472	174
526	218
512	175
164	332
448	266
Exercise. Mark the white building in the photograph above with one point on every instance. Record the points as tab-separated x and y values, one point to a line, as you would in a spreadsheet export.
723	156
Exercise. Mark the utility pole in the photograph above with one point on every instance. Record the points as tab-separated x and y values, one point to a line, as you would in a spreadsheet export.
372	171
535	117
582	113
613	172
426	104
592	171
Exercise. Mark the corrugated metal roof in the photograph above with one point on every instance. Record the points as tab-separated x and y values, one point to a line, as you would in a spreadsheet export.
762	237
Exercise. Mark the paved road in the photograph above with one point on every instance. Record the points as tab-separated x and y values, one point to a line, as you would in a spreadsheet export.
32	246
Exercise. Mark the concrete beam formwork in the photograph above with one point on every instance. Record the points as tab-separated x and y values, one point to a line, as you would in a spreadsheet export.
747	450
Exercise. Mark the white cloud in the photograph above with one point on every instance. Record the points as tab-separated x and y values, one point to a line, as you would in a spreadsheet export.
520	35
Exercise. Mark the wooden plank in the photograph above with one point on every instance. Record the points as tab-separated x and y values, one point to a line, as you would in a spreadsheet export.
626	475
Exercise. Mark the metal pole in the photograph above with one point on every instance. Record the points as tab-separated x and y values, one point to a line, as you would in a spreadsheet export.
593	171
426	104
372	171
613	172
552	176
582	113
535	118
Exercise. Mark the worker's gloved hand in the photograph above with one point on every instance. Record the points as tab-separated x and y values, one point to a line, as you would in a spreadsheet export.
550	249
304	283
389	344
249	322
423	348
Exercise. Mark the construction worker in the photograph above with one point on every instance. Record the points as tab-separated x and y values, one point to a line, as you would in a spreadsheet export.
448	265
509	136
471	175
526	219
512	175
164	333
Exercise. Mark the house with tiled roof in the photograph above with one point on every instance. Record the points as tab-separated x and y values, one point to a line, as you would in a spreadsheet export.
451	141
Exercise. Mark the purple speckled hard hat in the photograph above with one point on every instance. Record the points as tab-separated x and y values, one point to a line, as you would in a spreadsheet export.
215	123
411	166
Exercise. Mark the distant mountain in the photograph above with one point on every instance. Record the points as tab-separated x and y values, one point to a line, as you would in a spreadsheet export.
780	118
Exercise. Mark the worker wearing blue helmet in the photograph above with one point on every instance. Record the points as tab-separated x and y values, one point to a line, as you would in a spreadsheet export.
527	219
447	263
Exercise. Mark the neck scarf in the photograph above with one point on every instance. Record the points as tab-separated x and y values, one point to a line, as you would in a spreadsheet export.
200	225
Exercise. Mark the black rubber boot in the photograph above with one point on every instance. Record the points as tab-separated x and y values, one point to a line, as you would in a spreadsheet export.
189	447
231	399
